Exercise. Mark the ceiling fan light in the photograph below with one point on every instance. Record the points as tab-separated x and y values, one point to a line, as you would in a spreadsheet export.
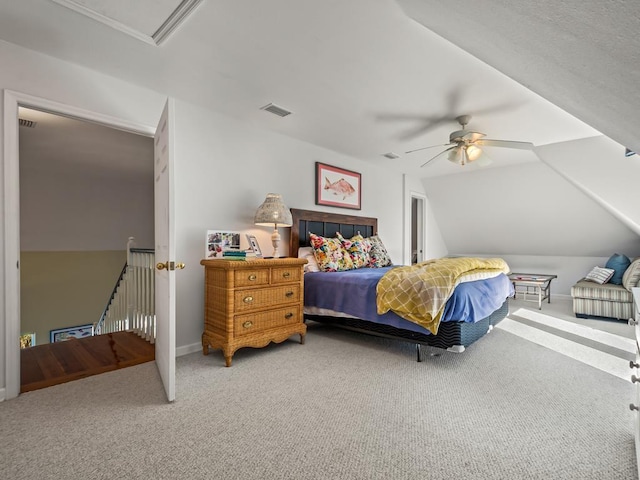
456	156
473	153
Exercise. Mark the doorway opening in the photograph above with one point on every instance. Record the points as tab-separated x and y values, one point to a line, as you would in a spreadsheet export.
20	234
417	228
84	190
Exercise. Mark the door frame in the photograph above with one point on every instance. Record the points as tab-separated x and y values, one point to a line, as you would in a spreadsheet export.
11	209
420	225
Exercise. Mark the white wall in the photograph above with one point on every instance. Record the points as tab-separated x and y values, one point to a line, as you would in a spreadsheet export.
65	211
598	167
224	168
530	215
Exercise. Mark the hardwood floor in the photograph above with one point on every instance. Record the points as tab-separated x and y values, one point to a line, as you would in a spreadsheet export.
54	363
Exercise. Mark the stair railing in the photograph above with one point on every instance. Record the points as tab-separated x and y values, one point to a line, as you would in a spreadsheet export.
114	313
132	303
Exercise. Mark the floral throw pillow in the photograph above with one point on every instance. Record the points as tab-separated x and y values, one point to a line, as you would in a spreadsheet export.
378	255
357	248
330	254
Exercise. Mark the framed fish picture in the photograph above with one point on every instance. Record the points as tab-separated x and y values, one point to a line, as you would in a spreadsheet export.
338	187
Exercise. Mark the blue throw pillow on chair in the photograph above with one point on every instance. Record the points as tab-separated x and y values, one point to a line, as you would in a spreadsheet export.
619	263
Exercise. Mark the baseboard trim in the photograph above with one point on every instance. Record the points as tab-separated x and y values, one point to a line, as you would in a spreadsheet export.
3	394
187	349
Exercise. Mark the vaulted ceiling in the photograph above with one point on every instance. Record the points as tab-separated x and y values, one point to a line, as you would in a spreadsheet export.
363	77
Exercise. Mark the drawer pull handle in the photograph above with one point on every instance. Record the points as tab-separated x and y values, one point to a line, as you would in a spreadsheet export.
632	364
248	299
633	407
286	274
247	324
252	278
288	315
635	379
289	294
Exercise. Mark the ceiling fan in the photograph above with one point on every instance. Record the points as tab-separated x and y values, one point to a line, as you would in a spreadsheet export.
465	146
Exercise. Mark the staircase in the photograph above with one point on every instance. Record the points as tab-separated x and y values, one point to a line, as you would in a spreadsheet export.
131	306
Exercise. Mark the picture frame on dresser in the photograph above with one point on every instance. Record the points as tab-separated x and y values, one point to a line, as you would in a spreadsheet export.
253	244
217	241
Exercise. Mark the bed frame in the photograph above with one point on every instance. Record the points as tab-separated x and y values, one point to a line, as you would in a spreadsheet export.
452	336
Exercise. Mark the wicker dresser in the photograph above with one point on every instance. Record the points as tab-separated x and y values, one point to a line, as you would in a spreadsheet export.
251	303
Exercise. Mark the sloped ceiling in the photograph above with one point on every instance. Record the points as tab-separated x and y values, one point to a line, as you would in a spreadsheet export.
361	76
582	56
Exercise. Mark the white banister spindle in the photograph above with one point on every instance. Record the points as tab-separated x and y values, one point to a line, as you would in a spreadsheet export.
132	306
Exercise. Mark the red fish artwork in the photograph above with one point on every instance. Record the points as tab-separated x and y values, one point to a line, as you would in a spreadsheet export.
340	188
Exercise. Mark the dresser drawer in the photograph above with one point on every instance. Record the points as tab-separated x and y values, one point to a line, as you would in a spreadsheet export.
284	275
264	297
256	323
248	277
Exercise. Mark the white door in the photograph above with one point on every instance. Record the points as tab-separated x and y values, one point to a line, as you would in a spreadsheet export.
165	252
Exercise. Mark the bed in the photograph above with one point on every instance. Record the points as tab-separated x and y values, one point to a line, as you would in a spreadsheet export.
461	325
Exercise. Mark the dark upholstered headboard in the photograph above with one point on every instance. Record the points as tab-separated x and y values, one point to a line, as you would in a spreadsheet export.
327	225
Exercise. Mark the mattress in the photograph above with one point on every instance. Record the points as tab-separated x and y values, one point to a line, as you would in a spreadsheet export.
353	293
348	299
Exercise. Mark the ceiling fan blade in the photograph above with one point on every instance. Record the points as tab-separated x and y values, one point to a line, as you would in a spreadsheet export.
423	123
441	154
502	107
432	146
505	144
412	133
401	117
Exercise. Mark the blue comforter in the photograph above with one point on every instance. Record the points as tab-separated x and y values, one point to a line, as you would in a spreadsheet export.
354	292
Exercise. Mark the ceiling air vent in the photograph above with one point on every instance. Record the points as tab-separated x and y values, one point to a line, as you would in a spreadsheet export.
391	155
27	123
276	110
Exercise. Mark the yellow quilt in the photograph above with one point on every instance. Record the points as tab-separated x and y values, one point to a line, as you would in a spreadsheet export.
418	292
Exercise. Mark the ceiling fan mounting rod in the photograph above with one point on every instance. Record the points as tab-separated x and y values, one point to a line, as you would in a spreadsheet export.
463	120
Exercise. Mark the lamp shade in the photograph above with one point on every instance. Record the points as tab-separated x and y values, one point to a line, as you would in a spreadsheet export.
274	212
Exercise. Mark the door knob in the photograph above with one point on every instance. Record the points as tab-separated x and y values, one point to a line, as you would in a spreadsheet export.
170	265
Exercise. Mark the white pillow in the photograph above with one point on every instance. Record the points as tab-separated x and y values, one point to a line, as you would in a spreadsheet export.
312	264
600	275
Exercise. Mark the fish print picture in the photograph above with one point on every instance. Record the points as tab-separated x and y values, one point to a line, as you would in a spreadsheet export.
341	188
338	187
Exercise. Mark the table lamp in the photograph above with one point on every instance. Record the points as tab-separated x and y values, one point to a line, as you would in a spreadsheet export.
274	212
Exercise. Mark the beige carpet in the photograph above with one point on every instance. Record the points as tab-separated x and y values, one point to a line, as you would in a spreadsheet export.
342	406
